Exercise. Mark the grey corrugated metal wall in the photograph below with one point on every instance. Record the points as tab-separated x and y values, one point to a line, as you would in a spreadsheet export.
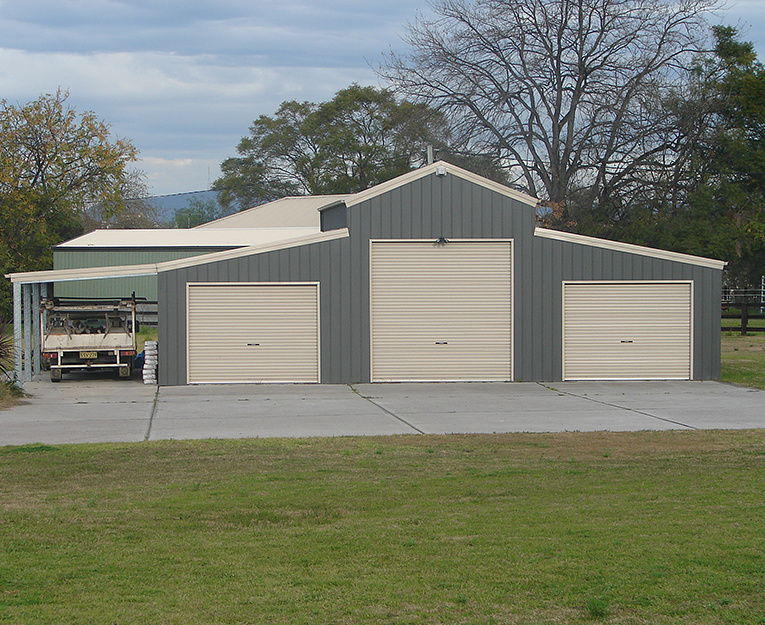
328	263
144	286
539	309
427	208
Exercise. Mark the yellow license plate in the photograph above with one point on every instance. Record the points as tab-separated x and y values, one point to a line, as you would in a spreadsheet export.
88	355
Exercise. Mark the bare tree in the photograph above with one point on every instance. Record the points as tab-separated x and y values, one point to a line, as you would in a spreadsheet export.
575	96
132	208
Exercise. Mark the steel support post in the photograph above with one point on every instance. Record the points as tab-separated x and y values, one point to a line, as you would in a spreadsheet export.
17	323
26	290
34	321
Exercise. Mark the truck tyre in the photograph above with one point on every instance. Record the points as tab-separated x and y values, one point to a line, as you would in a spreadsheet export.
124	371
55	375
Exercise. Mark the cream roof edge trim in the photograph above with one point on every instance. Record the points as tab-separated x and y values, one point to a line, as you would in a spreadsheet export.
203	259
430	170
617	246
85	273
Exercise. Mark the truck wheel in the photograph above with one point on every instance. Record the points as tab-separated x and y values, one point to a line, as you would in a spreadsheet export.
124	371
55	375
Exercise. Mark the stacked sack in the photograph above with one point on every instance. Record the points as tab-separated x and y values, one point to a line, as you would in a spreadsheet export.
151	351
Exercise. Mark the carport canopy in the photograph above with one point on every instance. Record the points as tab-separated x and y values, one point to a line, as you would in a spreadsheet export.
28	289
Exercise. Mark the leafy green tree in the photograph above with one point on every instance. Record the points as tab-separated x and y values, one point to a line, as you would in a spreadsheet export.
716	207
362	137
732	187
53	162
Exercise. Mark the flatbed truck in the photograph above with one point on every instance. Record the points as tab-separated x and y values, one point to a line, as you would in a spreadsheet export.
88	335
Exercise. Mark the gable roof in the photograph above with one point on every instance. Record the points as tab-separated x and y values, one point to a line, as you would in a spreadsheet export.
181	237
287	212
439	168
271	227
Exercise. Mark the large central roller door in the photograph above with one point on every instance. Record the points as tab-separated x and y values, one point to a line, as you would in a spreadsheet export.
441	311
627	330
240	333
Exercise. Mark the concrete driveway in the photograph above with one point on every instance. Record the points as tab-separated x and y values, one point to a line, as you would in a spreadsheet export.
100	408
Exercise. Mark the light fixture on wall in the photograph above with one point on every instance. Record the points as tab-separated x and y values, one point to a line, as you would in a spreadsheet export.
442	241
440	171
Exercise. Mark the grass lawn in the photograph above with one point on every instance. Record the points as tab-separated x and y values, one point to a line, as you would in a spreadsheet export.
628	528
743	359
146	333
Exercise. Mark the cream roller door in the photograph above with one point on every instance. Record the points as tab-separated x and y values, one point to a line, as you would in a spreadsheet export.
239	333
441	312
627	330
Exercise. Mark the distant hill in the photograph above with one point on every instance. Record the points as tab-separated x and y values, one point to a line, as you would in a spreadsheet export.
167	205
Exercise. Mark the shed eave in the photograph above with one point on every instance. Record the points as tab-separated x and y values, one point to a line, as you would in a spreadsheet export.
86	273
630	248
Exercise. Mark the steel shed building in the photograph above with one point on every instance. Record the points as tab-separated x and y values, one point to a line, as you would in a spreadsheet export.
438	275
283	219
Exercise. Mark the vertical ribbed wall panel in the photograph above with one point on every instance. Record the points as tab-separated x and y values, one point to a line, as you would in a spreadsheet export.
144	286
448	206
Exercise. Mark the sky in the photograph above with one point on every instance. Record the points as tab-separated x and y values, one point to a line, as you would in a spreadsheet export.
183	80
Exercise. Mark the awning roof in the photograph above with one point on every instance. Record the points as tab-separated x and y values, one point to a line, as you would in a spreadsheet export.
123	271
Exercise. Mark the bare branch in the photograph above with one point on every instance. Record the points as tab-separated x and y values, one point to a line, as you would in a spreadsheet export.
570	93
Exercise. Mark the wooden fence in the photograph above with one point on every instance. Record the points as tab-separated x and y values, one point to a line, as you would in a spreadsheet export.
748	310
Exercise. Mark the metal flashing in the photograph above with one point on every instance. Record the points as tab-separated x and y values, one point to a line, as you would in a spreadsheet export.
439	168
86	273
629	248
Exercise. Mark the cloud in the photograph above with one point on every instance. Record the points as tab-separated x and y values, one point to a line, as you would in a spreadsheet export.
309	33
167	93
185	80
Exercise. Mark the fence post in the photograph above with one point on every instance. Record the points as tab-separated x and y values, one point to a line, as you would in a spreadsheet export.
744	317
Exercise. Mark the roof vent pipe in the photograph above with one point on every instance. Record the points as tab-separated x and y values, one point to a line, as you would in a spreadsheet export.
430	154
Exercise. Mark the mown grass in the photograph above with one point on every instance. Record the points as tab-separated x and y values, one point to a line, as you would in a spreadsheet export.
736	323
743	359
146	333
650	527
